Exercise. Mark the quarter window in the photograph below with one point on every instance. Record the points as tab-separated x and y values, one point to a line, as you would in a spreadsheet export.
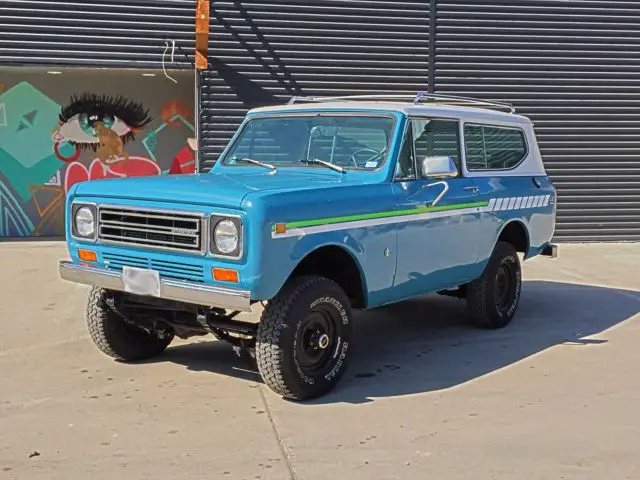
493	148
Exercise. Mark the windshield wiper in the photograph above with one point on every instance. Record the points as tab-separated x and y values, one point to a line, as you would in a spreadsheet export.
315	161
256	162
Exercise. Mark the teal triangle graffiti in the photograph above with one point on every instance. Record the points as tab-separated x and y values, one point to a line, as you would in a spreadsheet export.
22	126
31	117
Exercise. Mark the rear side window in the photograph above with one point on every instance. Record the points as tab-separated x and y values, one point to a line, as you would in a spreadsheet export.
493	148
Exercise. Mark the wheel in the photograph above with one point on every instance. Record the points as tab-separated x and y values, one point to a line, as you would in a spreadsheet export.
494	297
304	337
115	337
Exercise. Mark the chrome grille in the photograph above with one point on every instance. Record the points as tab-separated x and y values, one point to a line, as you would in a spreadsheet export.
164	230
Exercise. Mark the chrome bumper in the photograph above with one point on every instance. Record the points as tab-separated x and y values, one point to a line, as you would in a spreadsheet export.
170	289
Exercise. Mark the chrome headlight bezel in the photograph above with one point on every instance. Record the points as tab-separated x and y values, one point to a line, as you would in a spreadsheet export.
214	221
75	209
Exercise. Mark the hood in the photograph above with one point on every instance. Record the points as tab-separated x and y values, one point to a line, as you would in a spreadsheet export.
226	190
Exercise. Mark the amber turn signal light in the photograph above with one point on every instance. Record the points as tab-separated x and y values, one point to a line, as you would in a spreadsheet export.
225	275
87	255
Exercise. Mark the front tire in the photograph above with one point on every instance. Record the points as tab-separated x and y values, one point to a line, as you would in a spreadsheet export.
304	338
493	298
115	337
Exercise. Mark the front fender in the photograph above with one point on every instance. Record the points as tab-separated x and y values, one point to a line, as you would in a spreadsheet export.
283	255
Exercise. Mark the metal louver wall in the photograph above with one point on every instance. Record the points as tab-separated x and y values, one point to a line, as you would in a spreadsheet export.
115	33
261	53
573	66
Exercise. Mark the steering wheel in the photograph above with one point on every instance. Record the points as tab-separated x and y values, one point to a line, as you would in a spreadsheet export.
375	153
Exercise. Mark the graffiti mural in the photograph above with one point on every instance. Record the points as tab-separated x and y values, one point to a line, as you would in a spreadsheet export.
58	128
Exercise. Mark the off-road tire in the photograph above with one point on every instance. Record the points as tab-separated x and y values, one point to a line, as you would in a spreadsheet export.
282	323
115	337
481	294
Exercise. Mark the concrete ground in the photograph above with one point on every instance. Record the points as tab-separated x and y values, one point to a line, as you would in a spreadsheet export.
556	395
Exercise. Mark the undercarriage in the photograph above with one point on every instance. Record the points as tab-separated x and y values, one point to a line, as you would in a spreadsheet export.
185	320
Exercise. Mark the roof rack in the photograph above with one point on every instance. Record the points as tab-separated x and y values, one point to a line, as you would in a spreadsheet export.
418	99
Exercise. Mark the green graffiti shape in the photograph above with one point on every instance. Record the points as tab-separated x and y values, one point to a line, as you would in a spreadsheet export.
30	119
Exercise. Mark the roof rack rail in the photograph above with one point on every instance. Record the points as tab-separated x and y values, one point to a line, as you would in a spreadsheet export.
417	99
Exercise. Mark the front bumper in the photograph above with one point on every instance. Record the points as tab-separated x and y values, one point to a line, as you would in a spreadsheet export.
188	292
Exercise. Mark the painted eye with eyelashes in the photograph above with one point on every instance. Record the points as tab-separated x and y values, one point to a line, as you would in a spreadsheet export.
80	120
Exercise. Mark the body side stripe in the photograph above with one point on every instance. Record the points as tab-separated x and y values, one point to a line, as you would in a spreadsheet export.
378	215
308	227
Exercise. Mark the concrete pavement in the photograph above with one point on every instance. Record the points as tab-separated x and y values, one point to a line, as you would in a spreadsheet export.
555	395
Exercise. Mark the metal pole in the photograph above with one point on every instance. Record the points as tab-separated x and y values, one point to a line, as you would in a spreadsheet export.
431	73
196	119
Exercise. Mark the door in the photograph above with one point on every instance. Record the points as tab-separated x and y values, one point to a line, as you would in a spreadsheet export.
437	245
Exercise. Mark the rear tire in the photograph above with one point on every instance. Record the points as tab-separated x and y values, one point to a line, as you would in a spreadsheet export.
115	337
493	298
304	338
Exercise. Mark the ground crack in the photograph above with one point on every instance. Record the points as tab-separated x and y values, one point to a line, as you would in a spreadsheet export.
284	450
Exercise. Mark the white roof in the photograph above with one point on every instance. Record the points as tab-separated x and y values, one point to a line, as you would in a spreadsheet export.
407	108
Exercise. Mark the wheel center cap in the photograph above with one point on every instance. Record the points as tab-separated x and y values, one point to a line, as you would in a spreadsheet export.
323	341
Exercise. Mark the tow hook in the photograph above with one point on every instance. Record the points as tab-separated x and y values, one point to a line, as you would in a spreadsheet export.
550	250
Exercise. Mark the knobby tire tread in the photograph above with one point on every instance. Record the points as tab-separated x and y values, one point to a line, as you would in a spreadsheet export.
269	353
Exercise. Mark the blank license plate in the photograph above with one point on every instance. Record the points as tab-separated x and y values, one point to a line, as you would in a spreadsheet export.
140	281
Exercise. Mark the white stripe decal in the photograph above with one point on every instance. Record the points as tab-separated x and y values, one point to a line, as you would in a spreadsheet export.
492	203
512	203
546	200
538	201
518	203
529	202
498	204
374	222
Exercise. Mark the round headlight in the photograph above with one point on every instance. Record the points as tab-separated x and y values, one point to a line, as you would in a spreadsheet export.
226	236
85	222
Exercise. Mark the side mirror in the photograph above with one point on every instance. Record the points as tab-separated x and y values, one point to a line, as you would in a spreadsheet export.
438	167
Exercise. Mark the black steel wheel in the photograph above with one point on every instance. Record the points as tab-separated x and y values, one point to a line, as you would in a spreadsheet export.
304	338
493	298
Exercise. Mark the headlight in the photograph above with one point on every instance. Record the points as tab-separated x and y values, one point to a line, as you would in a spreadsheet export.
226	237
84	221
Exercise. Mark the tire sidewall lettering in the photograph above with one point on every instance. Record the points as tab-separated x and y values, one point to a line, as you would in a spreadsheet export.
334	303
338	366
516	297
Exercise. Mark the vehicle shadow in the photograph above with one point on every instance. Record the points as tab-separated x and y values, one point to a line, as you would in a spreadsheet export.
426	344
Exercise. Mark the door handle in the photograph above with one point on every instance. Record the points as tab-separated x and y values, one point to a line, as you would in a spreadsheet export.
472	189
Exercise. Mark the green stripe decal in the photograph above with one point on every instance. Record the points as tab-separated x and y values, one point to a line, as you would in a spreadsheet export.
371	216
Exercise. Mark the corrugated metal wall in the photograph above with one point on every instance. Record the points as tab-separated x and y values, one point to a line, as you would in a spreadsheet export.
574	67
114	33
261	52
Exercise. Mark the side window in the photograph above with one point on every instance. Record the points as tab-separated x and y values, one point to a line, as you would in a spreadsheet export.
493	148
437	138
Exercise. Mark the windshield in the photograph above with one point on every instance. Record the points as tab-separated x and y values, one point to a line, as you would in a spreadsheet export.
347	141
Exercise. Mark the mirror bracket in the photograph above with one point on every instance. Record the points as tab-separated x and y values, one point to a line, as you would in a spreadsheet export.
442	194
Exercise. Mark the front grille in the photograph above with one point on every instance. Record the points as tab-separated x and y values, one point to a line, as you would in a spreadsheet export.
151	228
191	272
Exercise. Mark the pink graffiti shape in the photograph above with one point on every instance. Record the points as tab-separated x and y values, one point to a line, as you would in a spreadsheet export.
133	167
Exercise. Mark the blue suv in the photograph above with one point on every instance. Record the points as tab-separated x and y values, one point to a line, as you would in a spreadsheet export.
315	208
